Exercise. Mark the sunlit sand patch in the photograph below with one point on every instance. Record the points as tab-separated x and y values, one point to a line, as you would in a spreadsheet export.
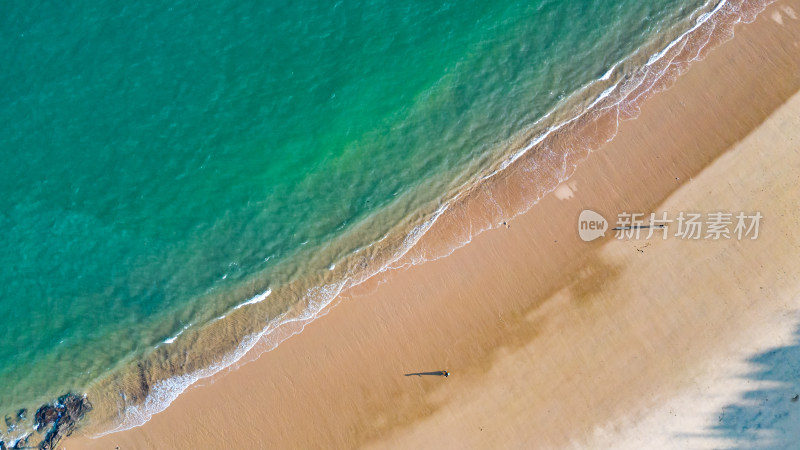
566	190
776	16
789	11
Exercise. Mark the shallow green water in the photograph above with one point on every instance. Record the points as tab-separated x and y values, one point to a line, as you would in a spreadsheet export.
159	152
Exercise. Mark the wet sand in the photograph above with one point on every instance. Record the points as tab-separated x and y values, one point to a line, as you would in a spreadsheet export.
550	341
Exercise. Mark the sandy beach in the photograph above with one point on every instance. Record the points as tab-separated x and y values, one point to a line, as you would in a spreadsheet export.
552	341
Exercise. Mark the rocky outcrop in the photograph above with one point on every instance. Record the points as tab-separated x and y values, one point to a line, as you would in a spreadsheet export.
59	419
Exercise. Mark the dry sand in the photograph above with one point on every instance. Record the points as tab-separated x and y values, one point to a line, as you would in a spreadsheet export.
552	341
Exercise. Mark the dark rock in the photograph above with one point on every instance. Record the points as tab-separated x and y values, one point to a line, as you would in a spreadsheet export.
46	416
3	446
21	414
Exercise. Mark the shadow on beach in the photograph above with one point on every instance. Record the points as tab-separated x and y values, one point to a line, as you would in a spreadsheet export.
438	373
767	416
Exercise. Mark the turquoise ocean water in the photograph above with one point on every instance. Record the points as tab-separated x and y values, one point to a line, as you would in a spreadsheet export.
164	162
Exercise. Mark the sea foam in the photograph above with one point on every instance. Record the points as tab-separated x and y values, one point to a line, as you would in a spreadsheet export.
257	299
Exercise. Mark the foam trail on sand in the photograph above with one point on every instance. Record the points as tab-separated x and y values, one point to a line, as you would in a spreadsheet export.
164	392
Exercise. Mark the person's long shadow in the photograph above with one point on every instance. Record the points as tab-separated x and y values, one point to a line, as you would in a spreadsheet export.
439	373
769	415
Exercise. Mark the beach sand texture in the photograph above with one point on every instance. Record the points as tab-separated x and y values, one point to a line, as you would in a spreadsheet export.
552	341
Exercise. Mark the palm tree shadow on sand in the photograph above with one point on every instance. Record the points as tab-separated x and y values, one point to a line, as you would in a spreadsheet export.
767	416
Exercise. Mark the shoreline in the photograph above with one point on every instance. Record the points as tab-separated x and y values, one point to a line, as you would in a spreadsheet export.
151	385
416	282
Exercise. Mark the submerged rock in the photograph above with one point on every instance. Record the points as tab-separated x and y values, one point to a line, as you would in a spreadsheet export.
21	443
12	423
